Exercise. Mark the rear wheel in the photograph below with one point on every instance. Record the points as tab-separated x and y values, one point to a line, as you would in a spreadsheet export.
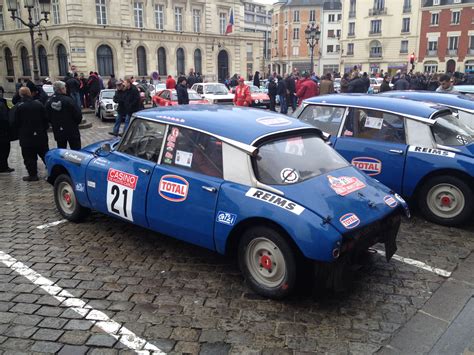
66	201
446	200
267	262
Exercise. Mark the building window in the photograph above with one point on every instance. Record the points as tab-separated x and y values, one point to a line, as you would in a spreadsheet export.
105	60
61	55
18	23
36	11
296	16
159	17
453	43
375	26
471	45
312	15
162	61
138	14
25	62
375	49
296	33
379	4
286	34
101	12
198	61
331	34
43	61
197	20
351	31
222	22
404	46
431	67
455	17
434	19
432	48
352	8
406	6
55	12
330	49
469	66
406	25
296	51
141	61
178	19
436	2
2	24
350	48
180	61
249	51
331	18
338	34
9	62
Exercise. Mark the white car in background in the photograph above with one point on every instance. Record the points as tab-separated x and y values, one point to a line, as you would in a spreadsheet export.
155	88
215	93
105	107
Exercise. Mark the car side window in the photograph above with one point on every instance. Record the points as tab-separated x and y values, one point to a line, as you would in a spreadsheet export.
199	89
196	151
143	139
326	118
165	94
374	125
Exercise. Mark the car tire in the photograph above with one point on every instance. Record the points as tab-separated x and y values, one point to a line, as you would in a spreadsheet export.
446	200
267	262
65	199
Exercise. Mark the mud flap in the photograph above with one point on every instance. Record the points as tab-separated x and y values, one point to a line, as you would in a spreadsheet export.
391	243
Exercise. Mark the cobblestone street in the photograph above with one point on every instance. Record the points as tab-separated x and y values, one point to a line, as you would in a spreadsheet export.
116	287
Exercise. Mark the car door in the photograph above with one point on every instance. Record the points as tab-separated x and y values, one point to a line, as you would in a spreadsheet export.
327	118
117	181
185	187
375	142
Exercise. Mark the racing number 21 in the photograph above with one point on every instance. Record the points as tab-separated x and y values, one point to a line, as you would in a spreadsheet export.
120	187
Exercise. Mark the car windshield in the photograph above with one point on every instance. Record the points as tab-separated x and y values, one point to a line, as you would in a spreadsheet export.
216	89
294	159
108	94
191	95
449	130
254	89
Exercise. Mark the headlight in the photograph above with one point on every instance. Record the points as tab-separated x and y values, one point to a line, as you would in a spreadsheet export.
256	101
211	101
109	106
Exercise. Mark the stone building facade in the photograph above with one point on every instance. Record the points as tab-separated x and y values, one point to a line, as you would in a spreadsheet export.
128	37
330	37
379	34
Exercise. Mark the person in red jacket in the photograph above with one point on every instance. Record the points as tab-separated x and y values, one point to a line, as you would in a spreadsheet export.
242	95
306	88
170	83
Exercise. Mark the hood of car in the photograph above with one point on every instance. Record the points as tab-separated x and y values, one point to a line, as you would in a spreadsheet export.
346	198
219	97
92	148
199	102
107	101
466	150
260	96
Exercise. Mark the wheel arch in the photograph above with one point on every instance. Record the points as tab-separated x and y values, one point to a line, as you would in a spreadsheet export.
236	233
451	172
57	170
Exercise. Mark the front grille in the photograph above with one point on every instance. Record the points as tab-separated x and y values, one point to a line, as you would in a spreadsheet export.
224	101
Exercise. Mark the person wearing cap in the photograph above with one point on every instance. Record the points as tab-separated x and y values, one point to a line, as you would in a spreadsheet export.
242	95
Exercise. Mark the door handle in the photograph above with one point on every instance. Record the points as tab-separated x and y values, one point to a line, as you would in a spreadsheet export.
144	171
396	151
209	188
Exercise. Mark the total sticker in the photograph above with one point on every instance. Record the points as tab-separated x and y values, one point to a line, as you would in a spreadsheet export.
349	220
173	188
289	175
390	201
120	187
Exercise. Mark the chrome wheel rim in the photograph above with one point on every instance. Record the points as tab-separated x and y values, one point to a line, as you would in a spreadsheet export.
265	262
445	200
66	198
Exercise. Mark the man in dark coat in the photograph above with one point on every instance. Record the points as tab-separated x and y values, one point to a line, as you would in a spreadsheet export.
73	88
93	85
191	80
385	86
182	92
272	92
357	85
131	101
30	121
37	92
401	84
281	92
366	80
64	116
4	135
119	99
291	91
256	79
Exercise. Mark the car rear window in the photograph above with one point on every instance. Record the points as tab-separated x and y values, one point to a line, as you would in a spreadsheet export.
295	158
449	130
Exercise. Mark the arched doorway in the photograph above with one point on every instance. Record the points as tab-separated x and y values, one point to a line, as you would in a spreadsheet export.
450	66
43	61
162	61
141	61
62	60
197	61
180	61
222	66
105	60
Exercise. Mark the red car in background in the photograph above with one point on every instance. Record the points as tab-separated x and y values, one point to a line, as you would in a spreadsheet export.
259	98
169	97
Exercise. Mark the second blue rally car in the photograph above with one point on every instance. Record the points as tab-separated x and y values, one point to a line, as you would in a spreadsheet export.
263	186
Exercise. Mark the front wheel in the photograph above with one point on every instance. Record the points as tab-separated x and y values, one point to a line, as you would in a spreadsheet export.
267	262
65	199
446	200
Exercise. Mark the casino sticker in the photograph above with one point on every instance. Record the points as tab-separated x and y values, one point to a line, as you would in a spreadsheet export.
289	175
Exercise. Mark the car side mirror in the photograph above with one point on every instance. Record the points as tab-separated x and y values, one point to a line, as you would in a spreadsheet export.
104	150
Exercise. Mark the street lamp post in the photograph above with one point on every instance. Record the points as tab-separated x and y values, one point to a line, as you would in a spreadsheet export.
312	35
45	8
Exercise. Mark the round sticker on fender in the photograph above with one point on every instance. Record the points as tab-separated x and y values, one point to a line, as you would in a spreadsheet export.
349	220
120	187
289	175
173	188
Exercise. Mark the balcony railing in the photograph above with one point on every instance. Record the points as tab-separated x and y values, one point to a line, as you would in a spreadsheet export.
351	34
352	14
375	33
349	53
375	55
406	9
403	50
452	52
431	52
375	12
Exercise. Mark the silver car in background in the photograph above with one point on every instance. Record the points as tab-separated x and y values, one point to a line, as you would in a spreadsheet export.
105	107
